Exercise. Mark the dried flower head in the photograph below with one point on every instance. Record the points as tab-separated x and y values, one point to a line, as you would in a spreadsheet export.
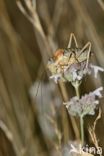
70	64
77	71
86	105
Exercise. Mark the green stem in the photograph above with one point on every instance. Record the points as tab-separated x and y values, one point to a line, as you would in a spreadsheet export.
77	91
82	129
76	85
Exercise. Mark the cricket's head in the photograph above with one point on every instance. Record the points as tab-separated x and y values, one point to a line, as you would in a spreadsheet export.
58	54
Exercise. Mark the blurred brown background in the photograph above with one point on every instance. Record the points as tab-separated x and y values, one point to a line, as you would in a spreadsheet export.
25	47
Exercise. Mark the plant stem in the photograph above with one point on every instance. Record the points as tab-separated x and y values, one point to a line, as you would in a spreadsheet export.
76	86
82	129
77	91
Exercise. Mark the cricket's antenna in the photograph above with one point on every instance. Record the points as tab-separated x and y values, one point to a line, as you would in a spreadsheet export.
72	41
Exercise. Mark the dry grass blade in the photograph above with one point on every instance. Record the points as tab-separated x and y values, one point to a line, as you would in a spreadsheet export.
92	130
56	17
101	3
6	130
53	121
